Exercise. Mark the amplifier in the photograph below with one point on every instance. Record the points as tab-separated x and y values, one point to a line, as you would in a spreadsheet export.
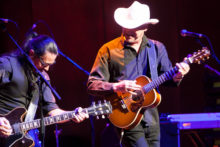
196	120
197	129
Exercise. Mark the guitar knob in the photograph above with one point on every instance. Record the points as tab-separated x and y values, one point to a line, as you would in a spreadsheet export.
23	141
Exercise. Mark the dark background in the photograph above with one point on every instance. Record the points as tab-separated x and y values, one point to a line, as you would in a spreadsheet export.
81	27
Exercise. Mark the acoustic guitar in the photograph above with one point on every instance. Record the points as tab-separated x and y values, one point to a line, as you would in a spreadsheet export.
128	109
20	136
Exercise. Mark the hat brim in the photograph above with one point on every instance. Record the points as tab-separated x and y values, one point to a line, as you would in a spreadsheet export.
121	17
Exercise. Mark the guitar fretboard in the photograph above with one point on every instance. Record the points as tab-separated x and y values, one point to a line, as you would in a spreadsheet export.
164	77
161	79
25	126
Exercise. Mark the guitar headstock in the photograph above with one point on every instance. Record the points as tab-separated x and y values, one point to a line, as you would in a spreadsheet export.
100	108
199	56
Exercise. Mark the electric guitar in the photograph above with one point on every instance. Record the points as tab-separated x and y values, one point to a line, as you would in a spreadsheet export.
128	109
20	137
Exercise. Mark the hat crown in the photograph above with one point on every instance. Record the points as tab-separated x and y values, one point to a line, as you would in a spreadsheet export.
139	11
134	16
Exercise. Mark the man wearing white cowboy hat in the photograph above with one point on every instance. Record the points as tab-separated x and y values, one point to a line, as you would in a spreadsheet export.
120	61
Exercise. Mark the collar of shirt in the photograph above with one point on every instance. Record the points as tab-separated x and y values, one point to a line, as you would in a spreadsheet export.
144	43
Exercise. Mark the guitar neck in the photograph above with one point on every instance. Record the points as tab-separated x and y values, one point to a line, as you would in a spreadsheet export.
25	126
163	78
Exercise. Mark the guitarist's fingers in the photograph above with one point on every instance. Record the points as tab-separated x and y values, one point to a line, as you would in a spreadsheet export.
125	86
80	115
5	132
131	85
5	123
183	68
83	113
133	93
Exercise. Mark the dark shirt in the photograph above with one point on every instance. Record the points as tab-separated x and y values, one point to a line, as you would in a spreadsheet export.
116	61
18	83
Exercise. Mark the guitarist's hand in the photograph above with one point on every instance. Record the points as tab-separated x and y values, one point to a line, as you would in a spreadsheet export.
126	86
5	127
183	70
80	115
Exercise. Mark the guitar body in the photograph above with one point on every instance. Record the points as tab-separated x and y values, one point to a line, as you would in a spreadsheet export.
20	137
17	139
127	109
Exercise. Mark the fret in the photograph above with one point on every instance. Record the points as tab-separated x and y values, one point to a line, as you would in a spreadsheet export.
163	77
173	72
152	84
170	74
23	126
57	118
167	75
27	126
46	121
155	83
35	124
73	114
65	116
69	115
31	125
158	81
51	120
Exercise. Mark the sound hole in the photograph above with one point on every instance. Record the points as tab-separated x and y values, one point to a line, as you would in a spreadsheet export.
139	99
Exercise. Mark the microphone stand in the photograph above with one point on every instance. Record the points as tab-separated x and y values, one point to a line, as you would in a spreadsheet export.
57	132
60	52
42	79
74	63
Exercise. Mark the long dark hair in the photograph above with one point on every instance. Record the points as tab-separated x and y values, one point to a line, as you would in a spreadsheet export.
40	44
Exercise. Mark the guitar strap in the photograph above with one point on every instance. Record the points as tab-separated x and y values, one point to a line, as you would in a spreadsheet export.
152	58
33	105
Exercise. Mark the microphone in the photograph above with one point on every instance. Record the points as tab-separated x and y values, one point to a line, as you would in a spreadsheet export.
185	33
31	33
4	20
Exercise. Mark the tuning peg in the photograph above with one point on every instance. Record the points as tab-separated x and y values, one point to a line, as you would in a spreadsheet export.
103	116
93	103
97	117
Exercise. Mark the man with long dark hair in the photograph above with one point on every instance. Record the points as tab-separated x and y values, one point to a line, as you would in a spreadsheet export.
19	81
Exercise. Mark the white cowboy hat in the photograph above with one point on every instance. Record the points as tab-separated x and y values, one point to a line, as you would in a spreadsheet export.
134	16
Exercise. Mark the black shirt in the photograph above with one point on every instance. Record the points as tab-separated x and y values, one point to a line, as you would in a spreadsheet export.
116	61
16	90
